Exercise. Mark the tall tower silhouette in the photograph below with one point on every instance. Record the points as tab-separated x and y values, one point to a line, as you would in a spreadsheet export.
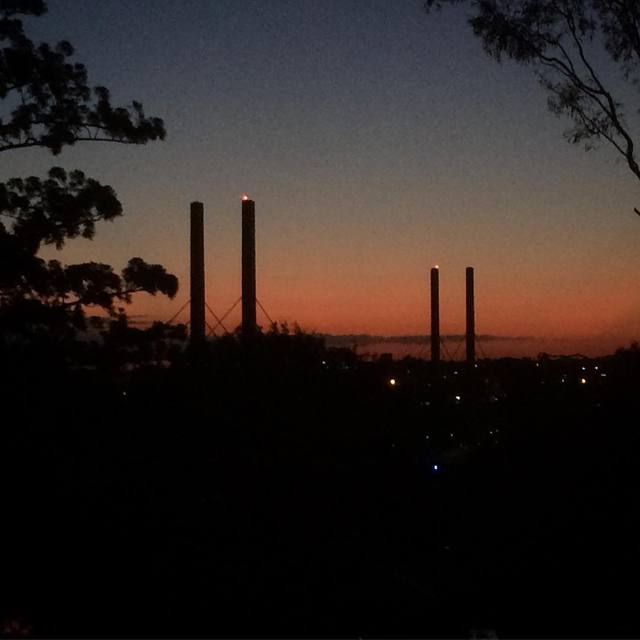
471	318
248	267
435	315
197	273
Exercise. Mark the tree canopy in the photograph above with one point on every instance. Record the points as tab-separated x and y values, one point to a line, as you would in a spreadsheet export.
52	106
569	43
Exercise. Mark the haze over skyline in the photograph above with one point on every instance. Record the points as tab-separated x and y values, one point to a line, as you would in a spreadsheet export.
376	141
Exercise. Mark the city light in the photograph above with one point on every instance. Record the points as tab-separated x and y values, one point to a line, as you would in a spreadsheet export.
392	382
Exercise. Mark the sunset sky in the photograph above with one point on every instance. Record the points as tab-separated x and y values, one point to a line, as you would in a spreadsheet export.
376	141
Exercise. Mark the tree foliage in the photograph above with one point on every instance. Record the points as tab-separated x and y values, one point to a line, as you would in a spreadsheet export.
49	212
568	43
52	106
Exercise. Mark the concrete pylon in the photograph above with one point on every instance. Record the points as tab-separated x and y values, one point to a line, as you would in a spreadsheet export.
249	326
197	274
435	315
471	317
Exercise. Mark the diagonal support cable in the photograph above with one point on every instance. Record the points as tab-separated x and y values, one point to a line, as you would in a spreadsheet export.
221	320
182	308
265	312
213	313
446	351
455	353
211	331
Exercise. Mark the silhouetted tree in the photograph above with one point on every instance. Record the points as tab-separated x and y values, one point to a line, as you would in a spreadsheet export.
564	42
52	106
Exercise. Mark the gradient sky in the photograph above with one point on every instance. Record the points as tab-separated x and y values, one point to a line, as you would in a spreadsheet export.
377	141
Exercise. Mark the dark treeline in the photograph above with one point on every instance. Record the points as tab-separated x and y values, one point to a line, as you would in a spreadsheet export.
365	339
280	488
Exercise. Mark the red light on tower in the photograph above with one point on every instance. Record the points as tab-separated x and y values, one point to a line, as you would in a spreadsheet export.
245	197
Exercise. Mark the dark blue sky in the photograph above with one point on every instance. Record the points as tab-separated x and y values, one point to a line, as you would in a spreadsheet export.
376	140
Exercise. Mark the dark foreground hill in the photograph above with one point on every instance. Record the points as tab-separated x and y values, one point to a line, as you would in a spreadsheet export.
285	490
